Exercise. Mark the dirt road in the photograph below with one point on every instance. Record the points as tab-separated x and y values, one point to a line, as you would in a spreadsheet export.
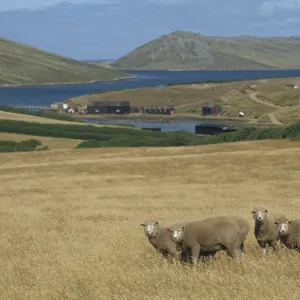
272	115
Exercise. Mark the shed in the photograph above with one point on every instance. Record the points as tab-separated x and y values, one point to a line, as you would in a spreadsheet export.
108	107
212	109
214	128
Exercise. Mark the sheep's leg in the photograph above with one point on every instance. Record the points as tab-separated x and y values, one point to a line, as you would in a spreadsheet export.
195	250
234	251
185	256
173	255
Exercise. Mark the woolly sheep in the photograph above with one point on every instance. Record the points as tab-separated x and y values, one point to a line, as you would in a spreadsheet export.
209	235
289	232
265	229
161	239
244	230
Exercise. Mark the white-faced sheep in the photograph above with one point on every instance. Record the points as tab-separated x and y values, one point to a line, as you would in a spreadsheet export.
265	229
289	232
209	235
161	239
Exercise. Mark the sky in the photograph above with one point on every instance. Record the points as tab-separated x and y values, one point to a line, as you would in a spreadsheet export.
108	29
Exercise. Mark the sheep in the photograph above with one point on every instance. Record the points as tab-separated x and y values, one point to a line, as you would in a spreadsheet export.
161	239
289	232
209	235
265	230
244	230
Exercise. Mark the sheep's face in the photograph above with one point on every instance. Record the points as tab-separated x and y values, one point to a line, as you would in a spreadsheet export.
177	233
150	228
259	214
282	227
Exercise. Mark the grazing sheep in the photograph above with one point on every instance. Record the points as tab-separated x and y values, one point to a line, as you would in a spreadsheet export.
289	232
161	239
209	235
265	230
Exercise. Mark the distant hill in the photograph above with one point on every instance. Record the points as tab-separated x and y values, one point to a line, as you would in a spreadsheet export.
21	64
188	50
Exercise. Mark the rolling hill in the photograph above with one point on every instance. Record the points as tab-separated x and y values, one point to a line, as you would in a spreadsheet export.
21	64
188	50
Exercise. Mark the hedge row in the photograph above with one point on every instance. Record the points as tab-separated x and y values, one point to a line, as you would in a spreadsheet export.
42	114
23	146
124	137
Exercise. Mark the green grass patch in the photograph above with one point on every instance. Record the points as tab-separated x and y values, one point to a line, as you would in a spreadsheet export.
23	146
95	137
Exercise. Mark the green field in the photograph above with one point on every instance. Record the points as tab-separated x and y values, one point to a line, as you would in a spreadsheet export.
21	65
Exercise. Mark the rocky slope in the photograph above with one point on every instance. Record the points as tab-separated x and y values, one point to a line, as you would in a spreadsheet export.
188	50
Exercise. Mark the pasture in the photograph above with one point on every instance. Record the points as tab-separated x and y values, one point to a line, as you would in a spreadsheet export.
70	221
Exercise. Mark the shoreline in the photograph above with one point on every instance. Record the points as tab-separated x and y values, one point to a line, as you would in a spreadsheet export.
66	83
185	70
159	117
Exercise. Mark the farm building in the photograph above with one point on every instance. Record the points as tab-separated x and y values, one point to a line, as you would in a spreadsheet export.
108	107
211	109
33	108
214	128
159	110
152	128
292	86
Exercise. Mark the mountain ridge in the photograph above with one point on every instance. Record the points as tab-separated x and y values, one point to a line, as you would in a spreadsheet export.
189	50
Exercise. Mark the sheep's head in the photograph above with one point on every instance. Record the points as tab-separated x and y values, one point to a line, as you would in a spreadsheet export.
177	233
259	214
282	226
151	227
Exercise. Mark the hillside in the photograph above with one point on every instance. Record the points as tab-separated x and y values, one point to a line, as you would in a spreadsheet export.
188	50
21	64
70	216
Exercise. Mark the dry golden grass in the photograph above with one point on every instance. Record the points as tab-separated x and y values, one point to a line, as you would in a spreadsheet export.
70	221
52	143
27	118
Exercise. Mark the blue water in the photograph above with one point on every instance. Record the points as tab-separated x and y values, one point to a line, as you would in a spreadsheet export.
45	95
165	125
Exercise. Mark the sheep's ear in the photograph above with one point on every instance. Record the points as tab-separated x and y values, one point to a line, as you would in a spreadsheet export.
182	228
253	212
142	224
169	229
276	222
290	222
266	210
156	223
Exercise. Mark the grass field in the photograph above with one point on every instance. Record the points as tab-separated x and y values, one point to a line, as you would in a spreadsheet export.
70	221
27	118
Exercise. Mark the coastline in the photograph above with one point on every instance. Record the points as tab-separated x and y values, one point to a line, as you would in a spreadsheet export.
161	117
216	69
66	83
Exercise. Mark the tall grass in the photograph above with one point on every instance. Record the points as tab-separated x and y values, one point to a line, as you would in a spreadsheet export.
70	221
